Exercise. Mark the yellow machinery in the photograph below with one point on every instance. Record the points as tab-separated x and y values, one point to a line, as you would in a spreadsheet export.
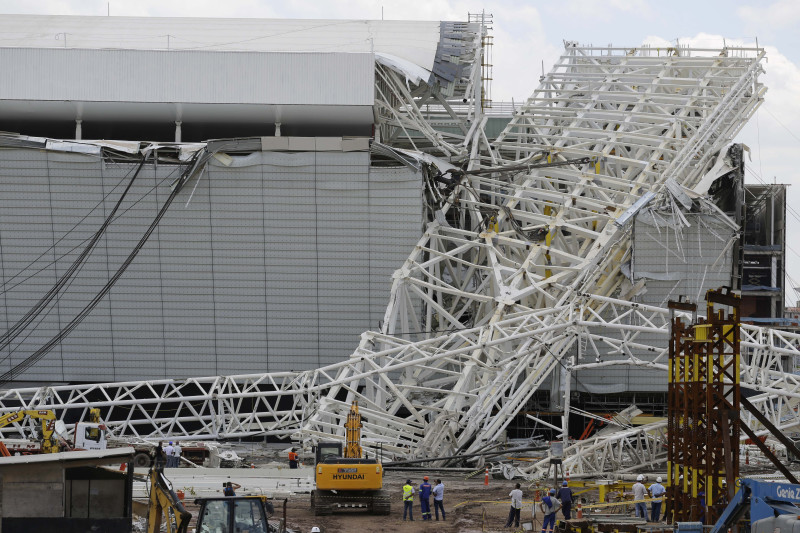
346	480
48	440
245	514
165	503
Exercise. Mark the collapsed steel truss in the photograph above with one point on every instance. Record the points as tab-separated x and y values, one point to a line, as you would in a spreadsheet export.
520	268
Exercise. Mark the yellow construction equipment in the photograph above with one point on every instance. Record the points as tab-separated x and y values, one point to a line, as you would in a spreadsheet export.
352	427
346	480
165	503
47	439
246	514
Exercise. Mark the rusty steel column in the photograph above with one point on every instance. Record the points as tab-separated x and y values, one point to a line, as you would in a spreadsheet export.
679	425
722	401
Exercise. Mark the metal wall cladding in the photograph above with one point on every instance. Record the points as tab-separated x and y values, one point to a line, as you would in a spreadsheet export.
277	262
203	77
690	261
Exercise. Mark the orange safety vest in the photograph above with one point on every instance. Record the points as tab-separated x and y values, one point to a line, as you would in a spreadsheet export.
292	456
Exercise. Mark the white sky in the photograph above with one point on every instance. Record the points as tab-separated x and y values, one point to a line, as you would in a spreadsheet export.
528	33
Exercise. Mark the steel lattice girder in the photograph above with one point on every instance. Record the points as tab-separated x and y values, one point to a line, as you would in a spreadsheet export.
212	407
522	265
629	450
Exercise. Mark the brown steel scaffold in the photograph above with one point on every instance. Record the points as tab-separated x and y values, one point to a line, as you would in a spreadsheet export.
703	409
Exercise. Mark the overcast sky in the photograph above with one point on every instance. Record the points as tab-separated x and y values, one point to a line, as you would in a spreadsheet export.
529	33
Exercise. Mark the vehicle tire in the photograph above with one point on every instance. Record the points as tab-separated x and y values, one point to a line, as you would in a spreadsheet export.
141	461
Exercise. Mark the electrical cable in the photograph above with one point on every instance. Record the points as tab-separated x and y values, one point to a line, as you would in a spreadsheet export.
6	289
64	236
32	359
45	300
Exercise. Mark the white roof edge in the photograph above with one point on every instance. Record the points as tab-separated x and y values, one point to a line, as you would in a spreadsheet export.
414	41
413	73
112	455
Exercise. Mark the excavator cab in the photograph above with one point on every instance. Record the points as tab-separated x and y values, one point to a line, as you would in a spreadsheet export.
328	452
234	514
226	514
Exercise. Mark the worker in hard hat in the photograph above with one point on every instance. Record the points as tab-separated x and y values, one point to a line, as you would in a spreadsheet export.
425	498
639	492
657	491
408	500
565	495
549	506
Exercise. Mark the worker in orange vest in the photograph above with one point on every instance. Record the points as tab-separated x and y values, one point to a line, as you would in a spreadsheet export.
293	458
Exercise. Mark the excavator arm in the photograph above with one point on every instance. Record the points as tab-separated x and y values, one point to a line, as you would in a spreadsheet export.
48	418
164	502
352	428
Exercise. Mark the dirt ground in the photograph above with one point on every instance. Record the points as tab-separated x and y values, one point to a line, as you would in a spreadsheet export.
470	507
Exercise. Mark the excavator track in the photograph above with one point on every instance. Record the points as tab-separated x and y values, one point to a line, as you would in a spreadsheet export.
326	502
381	503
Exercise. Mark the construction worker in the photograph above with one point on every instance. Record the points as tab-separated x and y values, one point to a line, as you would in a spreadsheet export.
516	506
425	498
657	490
565	495
176	455
639	492
438	498
169	450
549	507
158	456
293	458
408	500
229	488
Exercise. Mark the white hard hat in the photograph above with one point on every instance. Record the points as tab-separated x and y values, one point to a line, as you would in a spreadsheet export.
658	479
315	529
639	477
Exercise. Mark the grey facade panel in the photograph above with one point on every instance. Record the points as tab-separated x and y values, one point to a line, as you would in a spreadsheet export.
159	76
693	260
272	265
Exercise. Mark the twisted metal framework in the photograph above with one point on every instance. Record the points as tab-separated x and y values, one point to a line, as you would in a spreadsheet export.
520	268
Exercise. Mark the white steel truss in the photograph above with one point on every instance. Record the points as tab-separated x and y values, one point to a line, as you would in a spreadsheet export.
521	266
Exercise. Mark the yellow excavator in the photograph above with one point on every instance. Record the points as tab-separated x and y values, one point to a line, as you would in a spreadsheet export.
245	514
347	480
164	503
47	440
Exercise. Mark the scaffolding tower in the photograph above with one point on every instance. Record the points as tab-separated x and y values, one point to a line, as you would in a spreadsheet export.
703	412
